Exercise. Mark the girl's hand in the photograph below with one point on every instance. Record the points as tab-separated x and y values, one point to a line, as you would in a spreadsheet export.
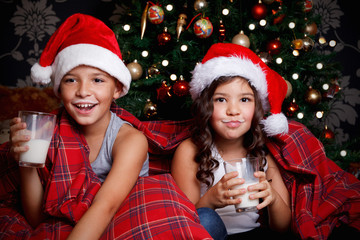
16	139
265	190
221	194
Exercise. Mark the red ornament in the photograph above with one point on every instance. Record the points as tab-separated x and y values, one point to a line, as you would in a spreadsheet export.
181	87
328	134
292	108
259	11
274	46
163	92
164	37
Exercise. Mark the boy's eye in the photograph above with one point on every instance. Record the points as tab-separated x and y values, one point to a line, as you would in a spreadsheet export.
98	80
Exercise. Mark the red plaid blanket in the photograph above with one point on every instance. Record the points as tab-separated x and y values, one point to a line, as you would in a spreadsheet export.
322	195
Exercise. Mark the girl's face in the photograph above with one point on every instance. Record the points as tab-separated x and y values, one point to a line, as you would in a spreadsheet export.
234	106
87	94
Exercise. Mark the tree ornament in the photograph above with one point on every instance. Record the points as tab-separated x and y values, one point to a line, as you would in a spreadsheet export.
312	96
328	134
155	14
181	87
221	31
180	26
135	69
265	57
150	109
259	10
308	5
333	89
143	20
292	108
199	5
203	28
308	44
153	70
311	29
274	46
164	37
241	39
297	44
164	92
289	89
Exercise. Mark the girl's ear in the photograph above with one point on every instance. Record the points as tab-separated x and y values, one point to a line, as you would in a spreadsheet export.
118	89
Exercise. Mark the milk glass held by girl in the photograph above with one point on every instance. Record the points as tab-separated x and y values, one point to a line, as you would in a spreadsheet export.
232	89
84	63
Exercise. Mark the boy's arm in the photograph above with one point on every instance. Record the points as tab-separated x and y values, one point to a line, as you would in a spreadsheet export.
129	154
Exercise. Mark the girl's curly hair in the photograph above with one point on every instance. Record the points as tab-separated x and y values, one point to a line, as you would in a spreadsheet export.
203	135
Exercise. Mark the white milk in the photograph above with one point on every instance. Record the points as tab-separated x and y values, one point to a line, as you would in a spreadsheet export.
37	152
246	202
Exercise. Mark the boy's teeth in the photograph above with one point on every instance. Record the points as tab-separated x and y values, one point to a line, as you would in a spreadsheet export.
84	105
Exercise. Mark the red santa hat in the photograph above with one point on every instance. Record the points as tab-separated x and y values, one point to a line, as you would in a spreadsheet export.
227	59
81	40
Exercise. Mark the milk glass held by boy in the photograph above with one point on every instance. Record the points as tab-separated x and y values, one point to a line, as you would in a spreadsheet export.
39	129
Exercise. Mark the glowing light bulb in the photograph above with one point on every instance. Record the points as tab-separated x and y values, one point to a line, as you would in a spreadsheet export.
165	63
144	53
225	11
126	27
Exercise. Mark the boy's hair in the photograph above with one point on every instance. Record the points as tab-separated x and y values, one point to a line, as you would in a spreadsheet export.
203	134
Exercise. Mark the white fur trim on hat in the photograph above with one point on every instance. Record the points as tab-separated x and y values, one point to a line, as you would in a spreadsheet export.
275	124
41	74
90	55
205	73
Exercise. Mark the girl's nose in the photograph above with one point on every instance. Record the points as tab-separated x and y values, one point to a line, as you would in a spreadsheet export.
232	109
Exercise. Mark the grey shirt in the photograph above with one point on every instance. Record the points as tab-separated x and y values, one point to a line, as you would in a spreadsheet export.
103	162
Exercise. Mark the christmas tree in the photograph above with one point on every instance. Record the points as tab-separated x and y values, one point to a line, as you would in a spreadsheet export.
162	41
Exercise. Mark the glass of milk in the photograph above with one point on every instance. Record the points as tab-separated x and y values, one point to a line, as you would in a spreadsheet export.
246	168
40	128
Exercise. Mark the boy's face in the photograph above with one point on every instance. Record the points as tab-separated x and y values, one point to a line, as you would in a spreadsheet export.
234	107
87	94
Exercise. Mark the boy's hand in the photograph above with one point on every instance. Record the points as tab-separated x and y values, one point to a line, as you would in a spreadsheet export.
16	139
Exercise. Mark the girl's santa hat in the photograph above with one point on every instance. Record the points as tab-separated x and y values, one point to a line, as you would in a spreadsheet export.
227	59
81	40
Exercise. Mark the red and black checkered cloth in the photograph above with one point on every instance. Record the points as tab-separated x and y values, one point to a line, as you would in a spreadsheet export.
322	195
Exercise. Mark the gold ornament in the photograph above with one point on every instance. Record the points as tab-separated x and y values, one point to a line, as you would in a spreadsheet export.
241	39
180	26
311	28
265	57
289	89
200	4
135	69
153	70
308	44
150	109
297	44
143	20
312	96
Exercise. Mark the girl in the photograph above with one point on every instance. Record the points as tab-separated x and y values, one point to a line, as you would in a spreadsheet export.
232	88
84	62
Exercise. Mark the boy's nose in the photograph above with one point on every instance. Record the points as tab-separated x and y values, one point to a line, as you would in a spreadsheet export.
84	89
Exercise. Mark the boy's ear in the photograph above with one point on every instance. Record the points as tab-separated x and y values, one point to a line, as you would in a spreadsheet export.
118	89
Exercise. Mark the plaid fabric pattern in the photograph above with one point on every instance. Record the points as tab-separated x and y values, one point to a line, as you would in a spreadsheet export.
322	194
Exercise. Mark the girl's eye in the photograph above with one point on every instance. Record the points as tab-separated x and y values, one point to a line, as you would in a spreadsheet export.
220	100
245	100
69	80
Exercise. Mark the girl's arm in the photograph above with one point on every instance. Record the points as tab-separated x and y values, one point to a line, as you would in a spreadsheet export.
275	196
129	154
184	169
32	191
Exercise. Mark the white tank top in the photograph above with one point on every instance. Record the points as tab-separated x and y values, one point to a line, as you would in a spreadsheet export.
234	222
102	164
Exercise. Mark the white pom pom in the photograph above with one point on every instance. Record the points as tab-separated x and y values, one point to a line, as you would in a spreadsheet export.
275	124
41	74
